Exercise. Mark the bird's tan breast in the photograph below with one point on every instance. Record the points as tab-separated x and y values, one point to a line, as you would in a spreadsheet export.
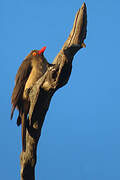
36	72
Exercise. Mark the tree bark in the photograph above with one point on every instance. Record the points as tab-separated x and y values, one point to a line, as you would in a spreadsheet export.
43	90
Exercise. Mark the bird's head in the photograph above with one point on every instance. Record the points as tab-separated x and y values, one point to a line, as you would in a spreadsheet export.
36	53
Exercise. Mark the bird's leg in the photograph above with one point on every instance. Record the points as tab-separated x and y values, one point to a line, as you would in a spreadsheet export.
19	120
27	91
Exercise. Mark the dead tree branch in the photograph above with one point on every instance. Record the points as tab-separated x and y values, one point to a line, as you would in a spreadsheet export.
42	92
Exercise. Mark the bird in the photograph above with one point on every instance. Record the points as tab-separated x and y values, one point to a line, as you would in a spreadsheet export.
32	68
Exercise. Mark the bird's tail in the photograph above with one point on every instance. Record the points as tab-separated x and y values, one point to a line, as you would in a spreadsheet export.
12	111
24	132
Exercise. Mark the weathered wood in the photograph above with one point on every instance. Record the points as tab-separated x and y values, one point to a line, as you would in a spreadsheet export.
42	92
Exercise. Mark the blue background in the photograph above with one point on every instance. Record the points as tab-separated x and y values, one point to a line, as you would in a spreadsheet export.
81	134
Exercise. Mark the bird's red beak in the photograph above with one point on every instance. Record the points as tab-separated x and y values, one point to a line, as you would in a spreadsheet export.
41	51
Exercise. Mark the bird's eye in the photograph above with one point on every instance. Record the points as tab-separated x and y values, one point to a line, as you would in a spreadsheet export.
34	53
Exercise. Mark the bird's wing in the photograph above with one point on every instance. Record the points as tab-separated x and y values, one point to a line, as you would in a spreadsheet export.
20	81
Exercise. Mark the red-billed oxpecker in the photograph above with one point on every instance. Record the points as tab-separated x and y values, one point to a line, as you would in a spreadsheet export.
32	68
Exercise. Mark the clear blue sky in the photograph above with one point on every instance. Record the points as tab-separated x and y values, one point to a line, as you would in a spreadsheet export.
81	134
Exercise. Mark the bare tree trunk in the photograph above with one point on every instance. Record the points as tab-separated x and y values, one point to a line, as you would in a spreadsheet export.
42	92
